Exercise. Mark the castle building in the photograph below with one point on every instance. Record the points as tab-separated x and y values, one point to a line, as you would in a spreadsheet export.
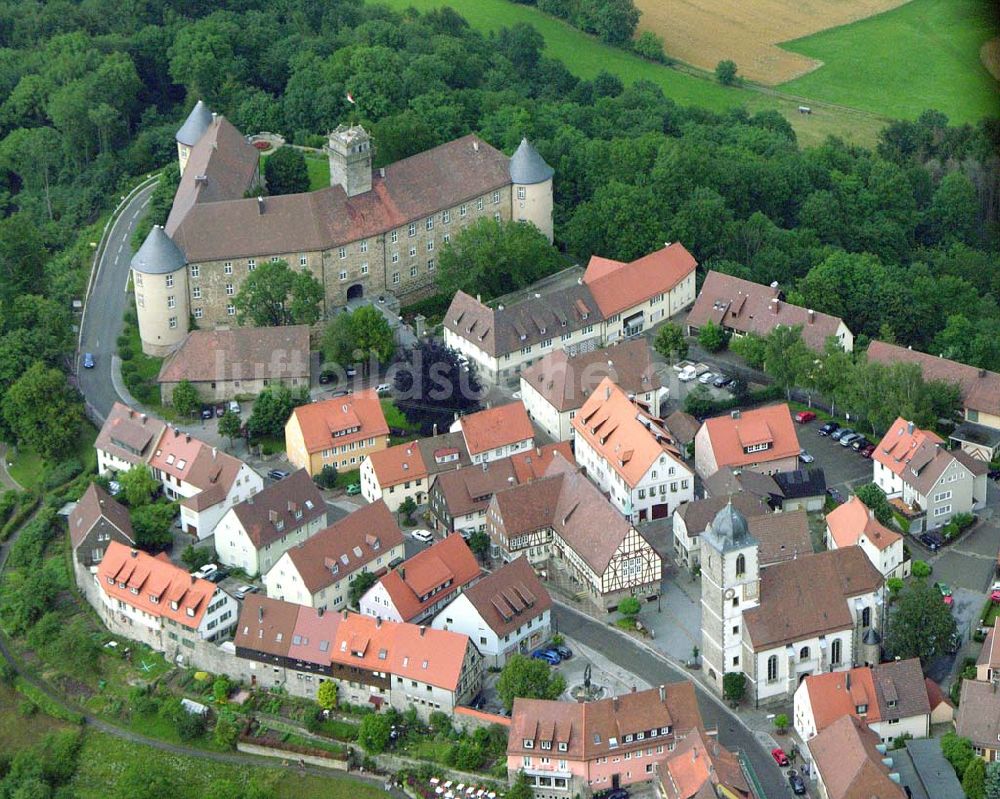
370	232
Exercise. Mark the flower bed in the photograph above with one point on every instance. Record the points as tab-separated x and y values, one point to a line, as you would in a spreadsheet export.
263	146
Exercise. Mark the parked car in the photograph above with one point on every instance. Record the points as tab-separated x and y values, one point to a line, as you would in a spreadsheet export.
277	474
931	541
351	371
218	576
550	656
805	457
687	374
995	591
207	411
836	496
244	590
234	406
705	378
426	536
326	377
220	410
88	360
867	451
993	474
342	393
516	395
204	571
722	381
114	488
802	417
564	651
860	443
797	783
354	489
836	435
779	756
946	592
846	441
382	388
617	793
828	428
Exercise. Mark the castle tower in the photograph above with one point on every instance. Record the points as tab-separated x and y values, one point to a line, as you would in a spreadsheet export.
191	131
531	194
350	152
730	584
160	278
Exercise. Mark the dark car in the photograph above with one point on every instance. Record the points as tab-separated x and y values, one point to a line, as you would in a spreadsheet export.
829	427
617	793
207	412
220	410
836	496
218	575
88	360
859	444
867	451
798	785
563	651
721	381
931	541
993	474
277	474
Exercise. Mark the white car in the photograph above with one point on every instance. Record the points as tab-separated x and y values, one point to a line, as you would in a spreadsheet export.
243	590
115	488
687	374
234	407
204	571
426	536
516	395
382	388
706	378
805	457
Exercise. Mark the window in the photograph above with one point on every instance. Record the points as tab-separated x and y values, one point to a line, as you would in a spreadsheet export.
463	210
430	264
547	342
866	617
937	497
412	231
529	744
364	246
198	313
446	238
227	268
429	224
170	281
741	565
342	253
835	652
772	668
395	278
394	236
480	204
230	310
943	510
343	275
413	252
138	278
171	301
521	192
413	271
496	197
251	264
303	261
230	290
496	216
446	216
196	292
804	653
172	323
395	258
364	268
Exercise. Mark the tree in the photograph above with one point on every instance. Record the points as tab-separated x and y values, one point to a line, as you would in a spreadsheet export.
712	337
22	257
359	586
196	557
286	172
528	678
958	751
875	499
521	789
650	46
921	625
670	342
327	477
185	398
374	733
629	607
407	508
227	730
734	686
991	789
272	409
751	348
326	695
138	486
725	72
431	384
152	524
230	426
492	258
273	295
781	723
359	337
974	779
220	689
920	569
787	359
479	543
43	412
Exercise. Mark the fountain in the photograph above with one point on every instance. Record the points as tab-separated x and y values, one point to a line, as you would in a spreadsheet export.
587	691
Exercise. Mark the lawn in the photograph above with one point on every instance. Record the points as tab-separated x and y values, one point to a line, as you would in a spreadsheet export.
29	469
924	54
585	56
319	169
17	731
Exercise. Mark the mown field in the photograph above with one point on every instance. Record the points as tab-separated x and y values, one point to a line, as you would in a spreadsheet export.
585	56
925	54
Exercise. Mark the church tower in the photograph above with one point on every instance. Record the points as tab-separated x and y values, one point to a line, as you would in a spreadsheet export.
730	584
531	192
350	152
191	131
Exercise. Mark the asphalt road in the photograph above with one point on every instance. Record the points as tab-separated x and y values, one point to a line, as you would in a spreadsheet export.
102	321
732	733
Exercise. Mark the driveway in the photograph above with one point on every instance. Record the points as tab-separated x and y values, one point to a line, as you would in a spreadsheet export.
103	317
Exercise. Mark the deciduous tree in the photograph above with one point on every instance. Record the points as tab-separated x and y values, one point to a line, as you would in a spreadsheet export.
185	398
273	294
875	499
712	337
670	342
43	412
921	625
286	172
359	586
530	679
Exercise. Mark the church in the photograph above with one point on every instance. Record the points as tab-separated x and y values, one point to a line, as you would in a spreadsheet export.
778	624
371	232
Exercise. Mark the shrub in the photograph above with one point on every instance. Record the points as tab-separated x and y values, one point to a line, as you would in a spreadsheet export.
734	684
949	531
650	46
781	722
629	607
725	72
63	473
920	569
963	520
712	337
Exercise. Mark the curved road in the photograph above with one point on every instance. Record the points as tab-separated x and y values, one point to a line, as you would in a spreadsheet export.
105	309
624	652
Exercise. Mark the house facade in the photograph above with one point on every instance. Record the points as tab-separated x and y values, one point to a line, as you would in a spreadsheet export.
406	471
96	521
760	440
978	718
496	433
854	524
339	432
629	454
254	534
128	437
692	519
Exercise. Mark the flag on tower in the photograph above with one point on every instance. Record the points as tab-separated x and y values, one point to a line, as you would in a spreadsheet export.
350	98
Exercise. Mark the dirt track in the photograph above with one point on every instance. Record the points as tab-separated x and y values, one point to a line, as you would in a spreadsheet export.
703	32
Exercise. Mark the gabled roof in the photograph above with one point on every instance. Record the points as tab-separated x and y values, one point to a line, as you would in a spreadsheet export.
731	435
781	536
496	427
619	286
280	509
628	436
97	504
748	307
978	715
341	549
698	515
731	480
128	434
158	255
989	655
527	166
195	125
919	457
399	464
470	488
207	468
158	578
801	483
432	574
242	353
565	381
682	426
852	519
980	388
850	764
509	597
338	421
809	596
699	767
267	625
534	464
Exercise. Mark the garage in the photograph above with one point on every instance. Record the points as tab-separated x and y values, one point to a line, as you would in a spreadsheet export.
661	511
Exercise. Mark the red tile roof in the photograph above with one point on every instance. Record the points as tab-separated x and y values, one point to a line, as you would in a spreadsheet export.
618	286
850	764
535	463
412	586
130	569
398	464
496	427
194	462
772	424
273	353
339	421
848	521
919	457
699	768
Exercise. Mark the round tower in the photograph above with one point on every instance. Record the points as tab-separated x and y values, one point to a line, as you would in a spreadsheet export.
730	578
531	192
191	131
160	279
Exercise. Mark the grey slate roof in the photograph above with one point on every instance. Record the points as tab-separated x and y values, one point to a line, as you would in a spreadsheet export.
729	530
158	255
935	778
527	166
195	125
801	483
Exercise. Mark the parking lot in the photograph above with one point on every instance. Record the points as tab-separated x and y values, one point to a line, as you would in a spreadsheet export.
844	468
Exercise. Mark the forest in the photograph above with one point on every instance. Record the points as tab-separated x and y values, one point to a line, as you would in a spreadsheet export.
900	241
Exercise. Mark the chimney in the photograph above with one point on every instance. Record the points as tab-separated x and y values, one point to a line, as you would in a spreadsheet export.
272	516
910	427
214	116
176	432
479	298
423	629
187	438
260	614
133	553
982	373
735	413
775	305
260	205
214	453
811	314
607	392
320	612
663	693
434	429
378	622
143	417
131	413
345	614
848	681
381	171
614	703
402	573
475	146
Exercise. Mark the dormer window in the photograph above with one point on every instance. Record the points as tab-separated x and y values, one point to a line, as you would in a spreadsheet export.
664	731
613	743
628	739
173	605
529	744
154	599
563	746
190	612
892	703
134	591
546	745
861	708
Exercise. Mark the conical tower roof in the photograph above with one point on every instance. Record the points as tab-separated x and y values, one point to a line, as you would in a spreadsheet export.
158	254
527	166
195	125
729	530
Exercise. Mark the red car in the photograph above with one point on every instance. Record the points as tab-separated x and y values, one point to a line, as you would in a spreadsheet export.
866	451
779	756
804	416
